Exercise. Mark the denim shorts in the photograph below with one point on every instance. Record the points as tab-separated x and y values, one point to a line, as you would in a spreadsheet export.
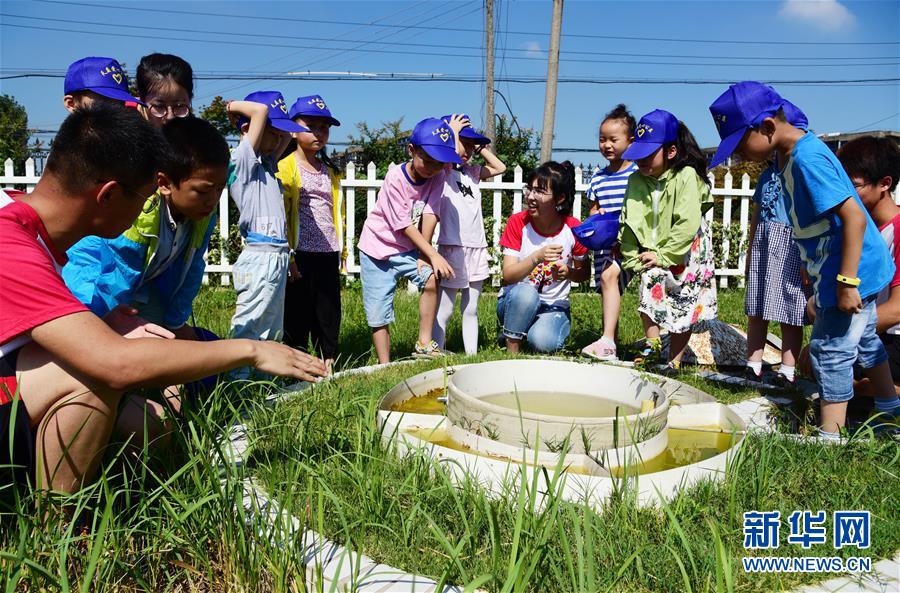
840	340
379	280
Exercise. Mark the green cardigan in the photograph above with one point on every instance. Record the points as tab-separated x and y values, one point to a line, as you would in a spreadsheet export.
662	215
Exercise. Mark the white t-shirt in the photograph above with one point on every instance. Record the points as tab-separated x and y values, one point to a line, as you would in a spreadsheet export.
459	209
520	239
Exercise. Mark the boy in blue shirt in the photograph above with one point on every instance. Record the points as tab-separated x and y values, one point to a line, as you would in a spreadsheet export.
261	271
841	248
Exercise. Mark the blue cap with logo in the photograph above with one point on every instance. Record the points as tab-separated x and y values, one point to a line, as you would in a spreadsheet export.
312	106
278	112
436	138
469	132
655	129
104	76
743	106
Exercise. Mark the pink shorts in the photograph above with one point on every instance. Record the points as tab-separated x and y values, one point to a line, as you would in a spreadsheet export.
470	264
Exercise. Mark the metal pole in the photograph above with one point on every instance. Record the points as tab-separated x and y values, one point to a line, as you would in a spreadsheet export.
552	75
489	128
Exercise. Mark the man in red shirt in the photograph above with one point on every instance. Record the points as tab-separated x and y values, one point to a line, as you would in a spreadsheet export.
62	369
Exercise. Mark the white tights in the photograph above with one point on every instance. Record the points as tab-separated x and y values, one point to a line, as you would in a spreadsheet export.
469	307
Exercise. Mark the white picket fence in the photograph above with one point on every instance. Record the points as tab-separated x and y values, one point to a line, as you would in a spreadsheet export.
351	184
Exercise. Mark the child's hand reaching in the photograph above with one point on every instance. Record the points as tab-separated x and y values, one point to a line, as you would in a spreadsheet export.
293	272
441	267
649	259
848	299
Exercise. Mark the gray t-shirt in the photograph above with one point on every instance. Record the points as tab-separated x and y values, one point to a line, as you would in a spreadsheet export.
257	193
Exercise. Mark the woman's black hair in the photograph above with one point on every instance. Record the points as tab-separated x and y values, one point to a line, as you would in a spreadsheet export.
620	112
154	68
688	154
194	143
871	159
559	178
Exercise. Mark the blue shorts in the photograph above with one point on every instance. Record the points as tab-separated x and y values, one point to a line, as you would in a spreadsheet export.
838	341
379	280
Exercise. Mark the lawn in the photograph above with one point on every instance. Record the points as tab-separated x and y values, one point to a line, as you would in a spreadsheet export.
169	522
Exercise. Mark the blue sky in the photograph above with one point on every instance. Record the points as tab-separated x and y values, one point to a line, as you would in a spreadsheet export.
679	41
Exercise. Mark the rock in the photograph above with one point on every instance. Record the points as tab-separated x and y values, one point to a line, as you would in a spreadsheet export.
721	344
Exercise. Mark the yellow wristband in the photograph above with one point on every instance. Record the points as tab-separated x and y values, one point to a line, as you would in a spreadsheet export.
848	281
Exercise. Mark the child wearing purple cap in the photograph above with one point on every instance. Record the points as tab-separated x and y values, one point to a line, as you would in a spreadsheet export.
462	240
776	290
94	79
391	242
663	232
839	243
312	201
260	272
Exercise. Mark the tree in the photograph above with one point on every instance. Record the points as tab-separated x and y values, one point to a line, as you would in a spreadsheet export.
216	114
515	147
14	133
381	146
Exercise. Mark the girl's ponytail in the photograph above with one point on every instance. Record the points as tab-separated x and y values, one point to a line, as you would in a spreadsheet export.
620	112
689	153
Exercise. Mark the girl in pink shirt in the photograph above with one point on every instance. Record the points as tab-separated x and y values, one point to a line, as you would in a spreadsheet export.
462	240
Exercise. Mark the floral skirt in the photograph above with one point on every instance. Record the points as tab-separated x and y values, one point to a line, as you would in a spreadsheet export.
678	298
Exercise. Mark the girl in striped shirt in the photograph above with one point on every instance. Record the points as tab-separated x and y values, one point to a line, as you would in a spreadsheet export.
607	190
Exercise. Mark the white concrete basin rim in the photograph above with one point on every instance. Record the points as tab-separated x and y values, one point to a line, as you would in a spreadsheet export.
656	395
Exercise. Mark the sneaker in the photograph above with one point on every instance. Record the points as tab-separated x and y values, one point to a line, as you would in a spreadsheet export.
752	375
783	380
602	349
432	350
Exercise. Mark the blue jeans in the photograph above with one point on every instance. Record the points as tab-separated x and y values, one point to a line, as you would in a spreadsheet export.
379	280
523	315
838	341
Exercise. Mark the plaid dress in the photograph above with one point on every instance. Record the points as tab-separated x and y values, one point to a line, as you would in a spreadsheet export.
775	290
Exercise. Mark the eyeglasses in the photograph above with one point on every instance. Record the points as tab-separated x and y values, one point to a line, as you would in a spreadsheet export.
526	191
861	185
162	109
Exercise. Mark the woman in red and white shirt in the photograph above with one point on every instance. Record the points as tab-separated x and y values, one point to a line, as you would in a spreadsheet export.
540	259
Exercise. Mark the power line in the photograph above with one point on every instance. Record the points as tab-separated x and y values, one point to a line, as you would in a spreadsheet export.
222	91
316	56
439	54
874	122
455	47
522	79
282	19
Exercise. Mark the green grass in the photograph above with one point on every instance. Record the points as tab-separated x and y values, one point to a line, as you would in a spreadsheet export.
408	513
170	522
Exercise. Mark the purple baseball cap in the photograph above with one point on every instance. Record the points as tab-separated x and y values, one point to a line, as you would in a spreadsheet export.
312	106
278	112
655	129
436	138
743	106
469	132
104	76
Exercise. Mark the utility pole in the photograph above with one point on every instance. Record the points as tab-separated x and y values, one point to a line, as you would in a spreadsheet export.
552	75
489	92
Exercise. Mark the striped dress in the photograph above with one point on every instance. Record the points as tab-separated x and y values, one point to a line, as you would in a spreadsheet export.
608	191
